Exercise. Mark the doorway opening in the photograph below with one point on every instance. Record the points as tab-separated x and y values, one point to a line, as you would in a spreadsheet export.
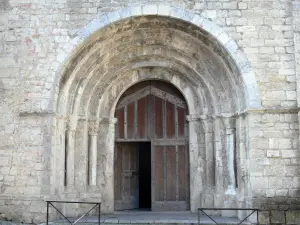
133	176
145	175
152	156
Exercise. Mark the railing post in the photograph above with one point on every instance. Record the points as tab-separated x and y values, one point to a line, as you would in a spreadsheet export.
257	218
99	210
198	216
47	213
285	217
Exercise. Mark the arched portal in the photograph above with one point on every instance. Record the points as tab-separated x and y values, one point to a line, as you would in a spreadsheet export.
197	58
151	166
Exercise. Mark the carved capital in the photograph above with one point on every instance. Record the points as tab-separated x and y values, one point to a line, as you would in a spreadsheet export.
71	123
93	127
207	125
229	123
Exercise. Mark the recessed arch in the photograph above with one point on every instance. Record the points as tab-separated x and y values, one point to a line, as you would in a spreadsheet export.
120	49
118	87
215	33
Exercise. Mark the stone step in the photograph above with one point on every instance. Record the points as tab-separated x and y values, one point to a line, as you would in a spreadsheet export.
95	223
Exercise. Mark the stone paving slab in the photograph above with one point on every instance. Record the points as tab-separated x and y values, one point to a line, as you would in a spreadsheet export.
137	218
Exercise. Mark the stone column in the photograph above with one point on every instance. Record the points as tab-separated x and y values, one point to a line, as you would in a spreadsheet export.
207	124
93	138
218	157
106	145
197	163
70	152
230	153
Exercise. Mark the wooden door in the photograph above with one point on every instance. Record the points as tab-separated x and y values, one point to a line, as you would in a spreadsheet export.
155	111
126	176
170	176
170	164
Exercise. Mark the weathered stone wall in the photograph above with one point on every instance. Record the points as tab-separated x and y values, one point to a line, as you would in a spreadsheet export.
34	35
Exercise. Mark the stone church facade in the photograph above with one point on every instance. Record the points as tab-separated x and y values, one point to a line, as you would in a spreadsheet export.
211	86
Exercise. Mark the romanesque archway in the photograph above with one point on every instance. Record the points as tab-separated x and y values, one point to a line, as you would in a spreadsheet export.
187	51
151	159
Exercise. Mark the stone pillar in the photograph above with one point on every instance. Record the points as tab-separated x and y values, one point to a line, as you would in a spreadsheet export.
106	145
219	164
207	124
93	138
197	163
230	153
58	157
296	29
70	152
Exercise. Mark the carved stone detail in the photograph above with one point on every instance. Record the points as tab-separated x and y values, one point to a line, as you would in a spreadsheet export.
93	127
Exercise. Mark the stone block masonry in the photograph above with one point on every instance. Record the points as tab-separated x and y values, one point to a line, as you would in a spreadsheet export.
238	65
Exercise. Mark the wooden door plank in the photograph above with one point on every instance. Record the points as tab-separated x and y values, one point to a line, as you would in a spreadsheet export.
159	175
183	182
158	117
170	120
171	173
142	118
120	117
181	121
125	175
130	120
134	172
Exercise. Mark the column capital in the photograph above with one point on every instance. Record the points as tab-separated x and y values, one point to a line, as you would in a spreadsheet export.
71	123
93	127
229	123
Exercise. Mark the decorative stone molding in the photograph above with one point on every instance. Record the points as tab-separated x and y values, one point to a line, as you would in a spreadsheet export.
192	117
108	120
239	57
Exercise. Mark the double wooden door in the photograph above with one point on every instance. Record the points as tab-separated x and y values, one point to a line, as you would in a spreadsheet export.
155	112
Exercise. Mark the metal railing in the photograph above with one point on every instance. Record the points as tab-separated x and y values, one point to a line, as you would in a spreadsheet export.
253	211
79	218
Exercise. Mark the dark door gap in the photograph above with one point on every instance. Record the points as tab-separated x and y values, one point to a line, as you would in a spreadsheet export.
145	176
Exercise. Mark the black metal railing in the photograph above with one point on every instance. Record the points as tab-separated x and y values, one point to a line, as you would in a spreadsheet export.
253	211
49	203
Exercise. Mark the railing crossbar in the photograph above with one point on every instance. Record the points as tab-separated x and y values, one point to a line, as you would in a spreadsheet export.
210	217
201	210
247	217
77	220
85	214
60	213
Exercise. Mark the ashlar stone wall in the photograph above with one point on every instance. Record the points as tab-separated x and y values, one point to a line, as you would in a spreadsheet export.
39	40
